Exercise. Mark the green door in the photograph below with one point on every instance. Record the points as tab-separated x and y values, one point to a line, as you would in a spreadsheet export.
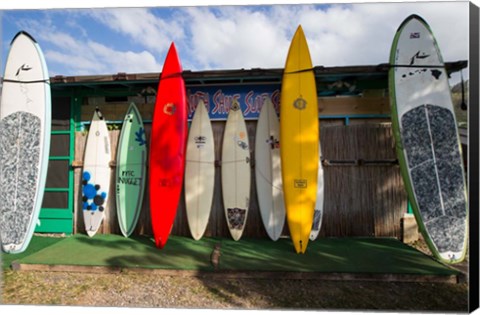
56	215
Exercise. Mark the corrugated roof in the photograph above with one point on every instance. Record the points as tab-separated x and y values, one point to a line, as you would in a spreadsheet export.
245	74
331	81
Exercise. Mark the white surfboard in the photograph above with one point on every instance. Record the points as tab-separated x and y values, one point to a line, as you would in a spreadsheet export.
96	174
25	114
268	172
428	144
236	172
318	213
199	172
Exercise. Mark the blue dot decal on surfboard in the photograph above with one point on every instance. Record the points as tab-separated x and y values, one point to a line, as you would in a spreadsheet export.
92	199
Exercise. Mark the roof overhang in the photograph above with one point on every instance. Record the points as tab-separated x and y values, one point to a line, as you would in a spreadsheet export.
331	81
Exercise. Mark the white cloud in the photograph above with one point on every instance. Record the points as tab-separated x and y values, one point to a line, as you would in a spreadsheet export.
229	37
141	26
69	51
124	61
77	64
235	38
363	33
339	35
95	58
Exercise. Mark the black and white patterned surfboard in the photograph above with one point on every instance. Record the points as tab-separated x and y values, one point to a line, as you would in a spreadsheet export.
427	139
25	120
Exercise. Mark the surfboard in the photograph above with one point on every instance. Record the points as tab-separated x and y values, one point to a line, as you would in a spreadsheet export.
131	170
268	172
25	117
199	172
167	148
299	137
236	171
427	140
318	212
96	174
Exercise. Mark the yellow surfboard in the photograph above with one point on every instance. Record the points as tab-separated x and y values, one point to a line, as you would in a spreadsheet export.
299	136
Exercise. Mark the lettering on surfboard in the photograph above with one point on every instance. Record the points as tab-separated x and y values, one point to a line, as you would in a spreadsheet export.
300	183
129	178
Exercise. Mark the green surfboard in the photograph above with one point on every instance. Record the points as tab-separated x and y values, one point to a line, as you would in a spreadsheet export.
130	170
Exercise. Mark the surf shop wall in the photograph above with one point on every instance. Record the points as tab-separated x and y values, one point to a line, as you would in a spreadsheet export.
364	192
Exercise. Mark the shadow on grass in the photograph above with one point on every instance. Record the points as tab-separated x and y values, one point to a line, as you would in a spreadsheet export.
140	252
37	244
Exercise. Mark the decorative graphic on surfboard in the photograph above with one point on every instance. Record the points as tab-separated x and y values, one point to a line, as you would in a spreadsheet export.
299	138
167	148
427	140
236	172
131	170
140	136
93	197
25	114
236	218
96	174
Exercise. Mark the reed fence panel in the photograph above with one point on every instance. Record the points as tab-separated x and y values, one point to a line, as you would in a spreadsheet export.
362	199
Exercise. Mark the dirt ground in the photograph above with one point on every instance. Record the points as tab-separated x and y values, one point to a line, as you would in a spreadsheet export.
132	289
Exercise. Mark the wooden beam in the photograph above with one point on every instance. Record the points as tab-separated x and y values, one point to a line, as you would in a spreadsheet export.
354	105
243	274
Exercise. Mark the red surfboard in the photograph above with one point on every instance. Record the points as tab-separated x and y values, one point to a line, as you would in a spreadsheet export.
167	147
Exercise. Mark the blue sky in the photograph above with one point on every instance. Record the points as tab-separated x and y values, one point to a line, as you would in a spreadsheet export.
109	40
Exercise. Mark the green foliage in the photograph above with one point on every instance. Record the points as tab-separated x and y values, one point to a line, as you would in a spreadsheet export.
460	113
113	127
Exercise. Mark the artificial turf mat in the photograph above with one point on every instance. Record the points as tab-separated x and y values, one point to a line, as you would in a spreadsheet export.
37	243
118	251
329	255
332	255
